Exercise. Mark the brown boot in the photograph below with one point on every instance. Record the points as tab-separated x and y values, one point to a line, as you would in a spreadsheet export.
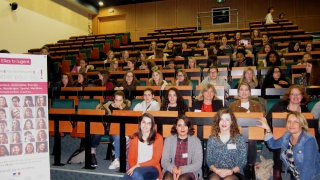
277	175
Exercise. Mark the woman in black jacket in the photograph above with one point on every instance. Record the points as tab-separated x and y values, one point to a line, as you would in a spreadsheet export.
207	100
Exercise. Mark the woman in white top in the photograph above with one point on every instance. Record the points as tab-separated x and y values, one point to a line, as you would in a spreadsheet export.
149	103
269	18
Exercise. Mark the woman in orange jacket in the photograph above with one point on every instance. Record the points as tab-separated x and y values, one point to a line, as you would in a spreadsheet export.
145	151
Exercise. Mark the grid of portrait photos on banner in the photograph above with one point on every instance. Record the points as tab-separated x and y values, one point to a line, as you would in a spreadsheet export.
23	125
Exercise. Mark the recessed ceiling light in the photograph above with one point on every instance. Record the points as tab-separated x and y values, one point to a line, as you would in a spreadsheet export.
100	3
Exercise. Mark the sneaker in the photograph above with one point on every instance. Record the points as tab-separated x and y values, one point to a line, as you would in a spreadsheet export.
94	161
115	164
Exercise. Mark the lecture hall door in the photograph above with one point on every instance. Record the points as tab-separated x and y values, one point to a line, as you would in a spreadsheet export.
112	24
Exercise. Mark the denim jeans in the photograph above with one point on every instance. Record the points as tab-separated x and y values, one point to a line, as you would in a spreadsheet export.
143	173
96	138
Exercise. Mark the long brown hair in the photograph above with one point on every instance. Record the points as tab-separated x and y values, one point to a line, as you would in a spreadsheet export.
313	77
152	136
234	129
106	76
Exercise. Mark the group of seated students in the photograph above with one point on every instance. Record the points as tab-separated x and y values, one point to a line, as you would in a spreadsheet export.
295	99
224	163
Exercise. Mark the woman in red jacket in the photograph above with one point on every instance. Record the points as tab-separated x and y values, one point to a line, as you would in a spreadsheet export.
145	151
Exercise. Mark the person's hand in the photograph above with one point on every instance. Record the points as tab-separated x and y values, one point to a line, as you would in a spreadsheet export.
283	82
277	86
218	171
130	171
205	52
225	172
177	82
116	88
264	124
177	174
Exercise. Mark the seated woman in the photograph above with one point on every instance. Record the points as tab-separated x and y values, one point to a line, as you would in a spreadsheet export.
169	46
312	74
131	65
119	103
173	101
250	78
114	65
273	59
104	77
242	60
245	104
159	54
110	57
149	103
182	79
255	34
142	57
294	99
82	80
84	67
145	151
309	47
226	148
192	63
275	78
210	37
202	44
264	50
207	100
305	57
182	152
224	44
157	79
128	83
153	46
292	47
66	81
299	149
184	45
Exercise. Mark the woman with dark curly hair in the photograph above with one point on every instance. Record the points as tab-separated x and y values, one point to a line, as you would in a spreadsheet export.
226	148
173	101
129	82
273	59
294	99
181	142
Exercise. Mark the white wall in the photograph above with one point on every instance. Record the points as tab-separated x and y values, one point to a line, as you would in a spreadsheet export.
25	29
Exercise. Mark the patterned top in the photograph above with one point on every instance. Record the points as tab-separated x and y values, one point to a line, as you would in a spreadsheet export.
288	153
303	79
182	148
227	155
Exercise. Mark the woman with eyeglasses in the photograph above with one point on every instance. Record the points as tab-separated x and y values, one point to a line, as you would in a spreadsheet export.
294	99
182	78
129	82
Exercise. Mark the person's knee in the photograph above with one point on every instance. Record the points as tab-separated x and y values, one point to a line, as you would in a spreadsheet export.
137	174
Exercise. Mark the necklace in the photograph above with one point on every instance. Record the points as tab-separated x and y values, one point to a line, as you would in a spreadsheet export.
288	107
